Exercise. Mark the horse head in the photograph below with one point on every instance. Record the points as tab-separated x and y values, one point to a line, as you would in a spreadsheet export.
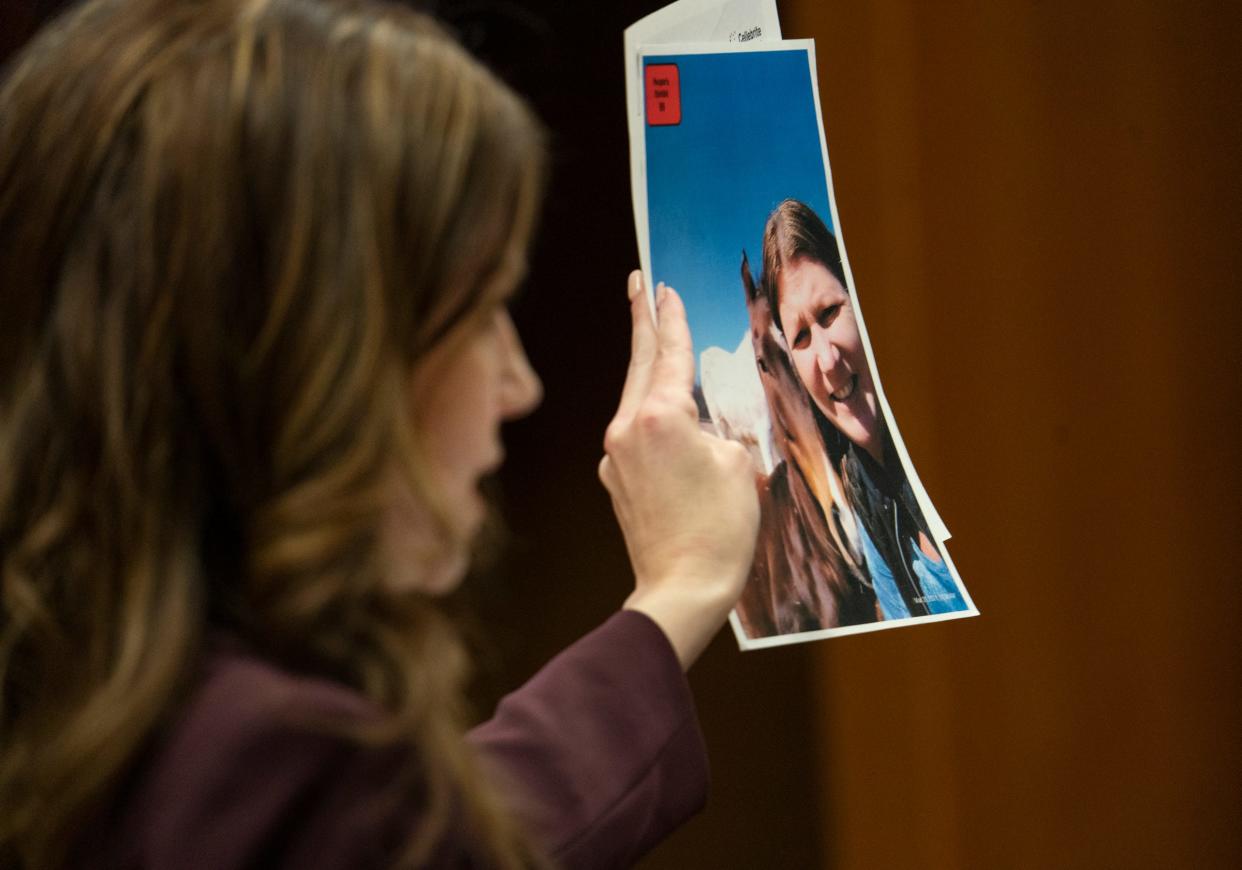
795	434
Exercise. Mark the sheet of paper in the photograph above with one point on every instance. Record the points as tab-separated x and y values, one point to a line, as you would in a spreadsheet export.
726	136
715	21
722	22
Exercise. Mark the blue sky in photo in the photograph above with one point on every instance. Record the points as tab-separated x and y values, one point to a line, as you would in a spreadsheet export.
748	138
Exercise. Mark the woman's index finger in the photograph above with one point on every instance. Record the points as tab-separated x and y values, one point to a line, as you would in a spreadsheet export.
674	366
644	345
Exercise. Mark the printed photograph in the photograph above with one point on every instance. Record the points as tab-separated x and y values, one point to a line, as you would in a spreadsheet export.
741	221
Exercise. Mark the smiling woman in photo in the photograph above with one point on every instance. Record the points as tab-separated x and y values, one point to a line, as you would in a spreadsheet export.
805	283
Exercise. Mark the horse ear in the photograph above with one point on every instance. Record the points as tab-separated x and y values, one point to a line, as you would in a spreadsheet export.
748	280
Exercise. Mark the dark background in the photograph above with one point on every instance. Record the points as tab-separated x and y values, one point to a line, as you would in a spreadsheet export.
1041	205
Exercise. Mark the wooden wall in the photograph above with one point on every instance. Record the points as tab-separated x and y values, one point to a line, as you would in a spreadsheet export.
1040	204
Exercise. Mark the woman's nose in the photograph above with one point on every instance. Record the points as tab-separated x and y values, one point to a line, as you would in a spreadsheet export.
826	354
521	389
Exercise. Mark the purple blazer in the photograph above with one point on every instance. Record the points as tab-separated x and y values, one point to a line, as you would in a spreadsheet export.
601	750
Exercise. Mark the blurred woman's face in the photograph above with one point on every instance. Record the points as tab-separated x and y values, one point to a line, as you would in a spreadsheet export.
817	317
463	392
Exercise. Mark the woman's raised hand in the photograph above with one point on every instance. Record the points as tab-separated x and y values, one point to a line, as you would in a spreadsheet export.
685	499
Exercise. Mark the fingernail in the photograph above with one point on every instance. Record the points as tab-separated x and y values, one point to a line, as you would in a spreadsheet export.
661	293
635	285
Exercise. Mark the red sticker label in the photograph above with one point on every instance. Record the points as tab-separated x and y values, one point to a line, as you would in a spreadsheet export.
663	95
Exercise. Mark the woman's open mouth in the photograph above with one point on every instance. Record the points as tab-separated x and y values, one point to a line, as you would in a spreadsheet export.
844	394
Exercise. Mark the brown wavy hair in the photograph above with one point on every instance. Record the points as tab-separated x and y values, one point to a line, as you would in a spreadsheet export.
229	233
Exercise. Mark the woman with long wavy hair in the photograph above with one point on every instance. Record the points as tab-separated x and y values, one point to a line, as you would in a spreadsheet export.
254	358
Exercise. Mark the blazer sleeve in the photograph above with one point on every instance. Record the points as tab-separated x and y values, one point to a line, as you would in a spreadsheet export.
602	749
601	752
